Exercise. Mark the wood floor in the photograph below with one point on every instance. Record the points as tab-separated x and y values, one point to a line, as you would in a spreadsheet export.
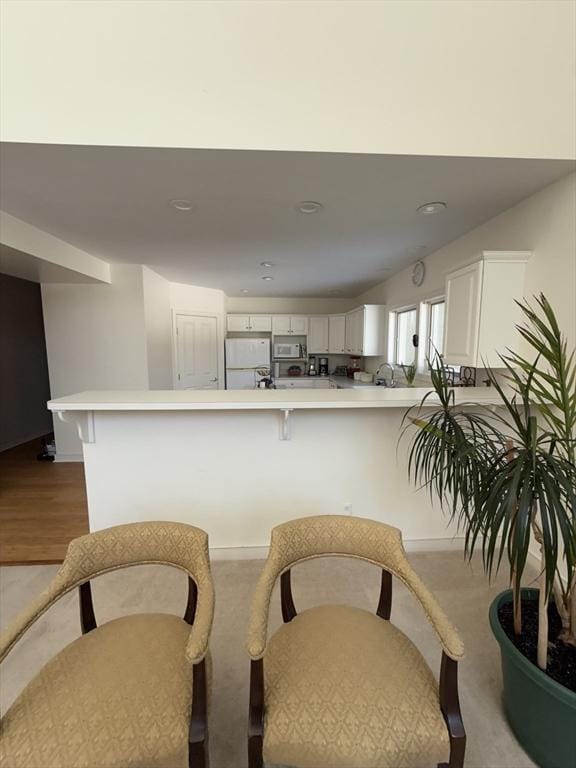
42	506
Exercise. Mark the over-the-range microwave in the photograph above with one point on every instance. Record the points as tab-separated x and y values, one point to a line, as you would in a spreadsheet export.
288	351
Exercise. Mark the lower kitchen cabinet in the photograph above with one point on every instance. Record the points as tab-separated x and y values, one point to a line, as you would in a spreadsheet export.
304	383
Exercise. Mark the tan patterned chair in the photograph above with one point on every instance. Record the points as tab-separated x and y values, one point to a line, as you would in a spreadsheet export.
339	687
131	692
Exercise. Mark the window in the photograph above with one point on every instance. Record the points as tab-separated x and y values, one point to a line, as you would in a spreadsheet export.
435	340
426	320
406	327
431	331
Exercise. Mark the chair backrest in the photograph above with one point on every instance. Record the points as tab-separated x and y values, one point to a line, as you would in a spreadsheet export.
174	544
339	535
165	543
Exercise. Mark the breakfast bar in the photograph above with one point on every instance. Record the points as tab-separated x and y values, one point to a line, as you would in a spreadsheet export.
236	463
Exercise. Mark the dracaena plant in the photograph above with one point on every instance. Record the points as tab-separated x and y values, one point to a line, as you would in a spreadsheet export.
509	474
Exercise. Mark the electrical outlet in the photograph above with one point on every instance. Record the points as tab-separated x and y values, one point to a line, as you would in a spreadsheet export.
348	508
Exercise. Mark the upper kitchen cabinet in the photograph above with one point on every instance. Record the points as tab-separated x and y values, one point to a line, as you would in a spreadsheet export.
289	325
365	331
337	334
318	330
261	323
481	313
253	323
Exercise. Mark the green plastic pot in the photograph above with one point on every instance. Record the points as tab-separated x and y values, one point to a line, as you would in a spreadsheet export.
541	712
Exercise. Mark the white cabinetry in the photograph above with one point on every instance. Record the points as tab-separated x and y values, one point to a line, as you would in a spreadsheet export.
318	330
304	382
354	323
366	330
289	325
237	323
337	334
481	313
249	323
261	323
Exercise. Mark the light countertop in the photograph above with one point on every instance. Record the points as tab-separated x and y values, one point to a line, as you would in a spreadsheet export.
261	399
342	382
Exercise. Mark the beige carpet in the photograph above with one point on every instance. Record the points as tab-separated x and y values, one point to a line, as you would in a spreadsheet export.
462	591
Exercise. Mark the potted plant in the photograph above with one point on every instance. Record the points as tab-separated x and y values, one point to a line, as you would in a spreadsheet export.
409	373
508	477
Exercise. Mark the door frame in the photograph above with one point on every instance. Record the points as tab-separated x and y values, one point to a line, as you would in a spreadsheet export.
219	341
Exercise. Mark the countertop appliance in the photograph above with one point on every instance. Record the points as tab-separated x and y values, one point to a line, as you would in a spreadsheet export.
323	366
312	370
286	351
247	361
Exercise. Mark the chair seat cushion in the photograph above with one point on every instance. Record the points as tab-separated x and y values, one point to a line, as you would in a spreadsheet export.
116	697
346	689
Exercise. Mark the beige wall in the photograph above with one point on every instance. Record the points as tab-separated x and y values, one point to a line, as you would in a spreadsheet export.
116	336
288	306
544	223
437	77
95	339
158	327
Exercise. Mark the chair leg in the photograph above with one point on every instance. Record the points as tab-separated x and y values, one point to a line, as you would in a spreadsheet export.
450	705
255	752
256	714
198	754
457	751
198	734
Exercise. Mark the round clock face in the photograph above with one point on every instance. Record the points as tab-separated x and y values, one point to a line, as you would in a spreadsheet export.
418	272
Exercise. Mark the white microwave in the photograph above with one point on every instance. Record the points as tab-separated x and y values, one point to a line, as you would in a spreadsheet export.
288	351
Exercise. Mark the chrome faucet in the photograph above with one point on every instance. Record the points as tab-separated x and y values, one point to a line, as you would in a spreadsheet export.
392	382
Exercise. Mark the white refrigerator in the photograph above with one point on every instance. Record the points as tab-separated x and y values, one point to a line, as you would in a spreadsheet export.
247	361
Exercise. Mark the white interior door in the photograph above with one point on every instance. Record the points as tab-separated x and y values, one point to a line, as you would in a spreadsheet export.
196	352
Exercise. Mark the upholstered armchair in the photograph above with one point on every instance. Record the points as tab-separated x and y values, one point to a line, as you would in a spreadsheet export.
339	687
131	692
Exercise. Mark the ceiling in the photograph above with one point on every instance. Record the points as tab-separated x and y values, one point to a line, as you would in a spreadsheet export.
113	202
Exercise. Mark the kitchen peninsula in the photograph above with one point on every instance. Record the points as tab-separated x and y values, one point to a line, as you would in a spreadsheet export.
237	463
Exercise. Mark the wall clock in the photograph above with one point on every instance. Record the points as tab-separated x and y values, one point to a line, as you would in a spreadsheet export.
418	272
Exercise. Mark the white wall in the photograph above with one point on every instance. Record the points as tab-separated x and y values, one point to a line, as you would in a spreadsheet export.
95	339
481	77
226	472
288	306
158	329
544	223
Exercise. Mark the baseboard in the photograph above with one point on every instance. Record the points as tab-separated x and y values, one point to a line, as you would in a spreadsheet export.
60	458
238	553
454	544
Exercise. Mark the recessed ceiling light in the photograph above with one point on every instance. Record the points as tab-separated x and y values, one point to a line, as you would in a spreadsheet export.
335	291
181	205
267	277
266	264
429	209
243	290
309	206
